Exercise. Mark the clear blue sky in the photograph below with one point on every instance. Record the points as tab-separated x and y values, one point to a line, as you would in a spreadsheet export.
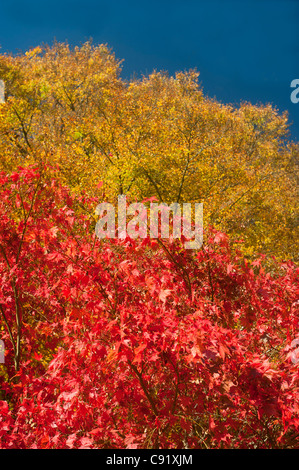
244	49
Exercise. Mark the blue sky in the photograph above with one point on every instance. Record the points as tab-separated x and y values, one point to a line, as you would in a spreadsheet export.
244	49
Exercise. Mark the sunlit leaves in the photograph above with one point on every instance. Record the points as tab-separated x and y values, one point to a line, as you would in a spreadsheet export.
115	353
156	136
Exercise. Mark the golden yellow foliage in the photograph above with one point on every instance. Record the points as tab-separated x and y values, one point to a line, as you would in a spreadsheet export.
157	136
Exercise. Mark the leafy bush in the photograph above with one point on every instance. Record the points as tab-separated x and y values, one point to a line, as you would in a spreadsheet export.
138	343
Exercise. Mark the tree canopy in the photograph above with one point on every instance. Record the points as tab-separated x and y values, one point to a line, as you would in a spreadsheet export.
156	136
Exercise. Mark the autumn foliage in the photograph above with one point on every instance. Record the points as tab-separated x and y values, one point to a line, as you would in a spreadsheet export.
137	343
154	136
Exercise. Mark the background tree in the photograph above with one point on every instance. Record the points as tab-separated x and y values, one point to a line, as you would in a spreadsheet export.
157	136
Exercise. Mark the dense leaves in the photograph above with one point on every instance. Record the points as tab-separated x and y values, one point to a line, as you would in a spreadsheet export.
158	136
138	343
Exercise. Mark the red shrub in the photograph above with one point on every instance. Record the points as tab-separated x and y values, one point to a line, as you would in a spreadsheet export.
123	343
